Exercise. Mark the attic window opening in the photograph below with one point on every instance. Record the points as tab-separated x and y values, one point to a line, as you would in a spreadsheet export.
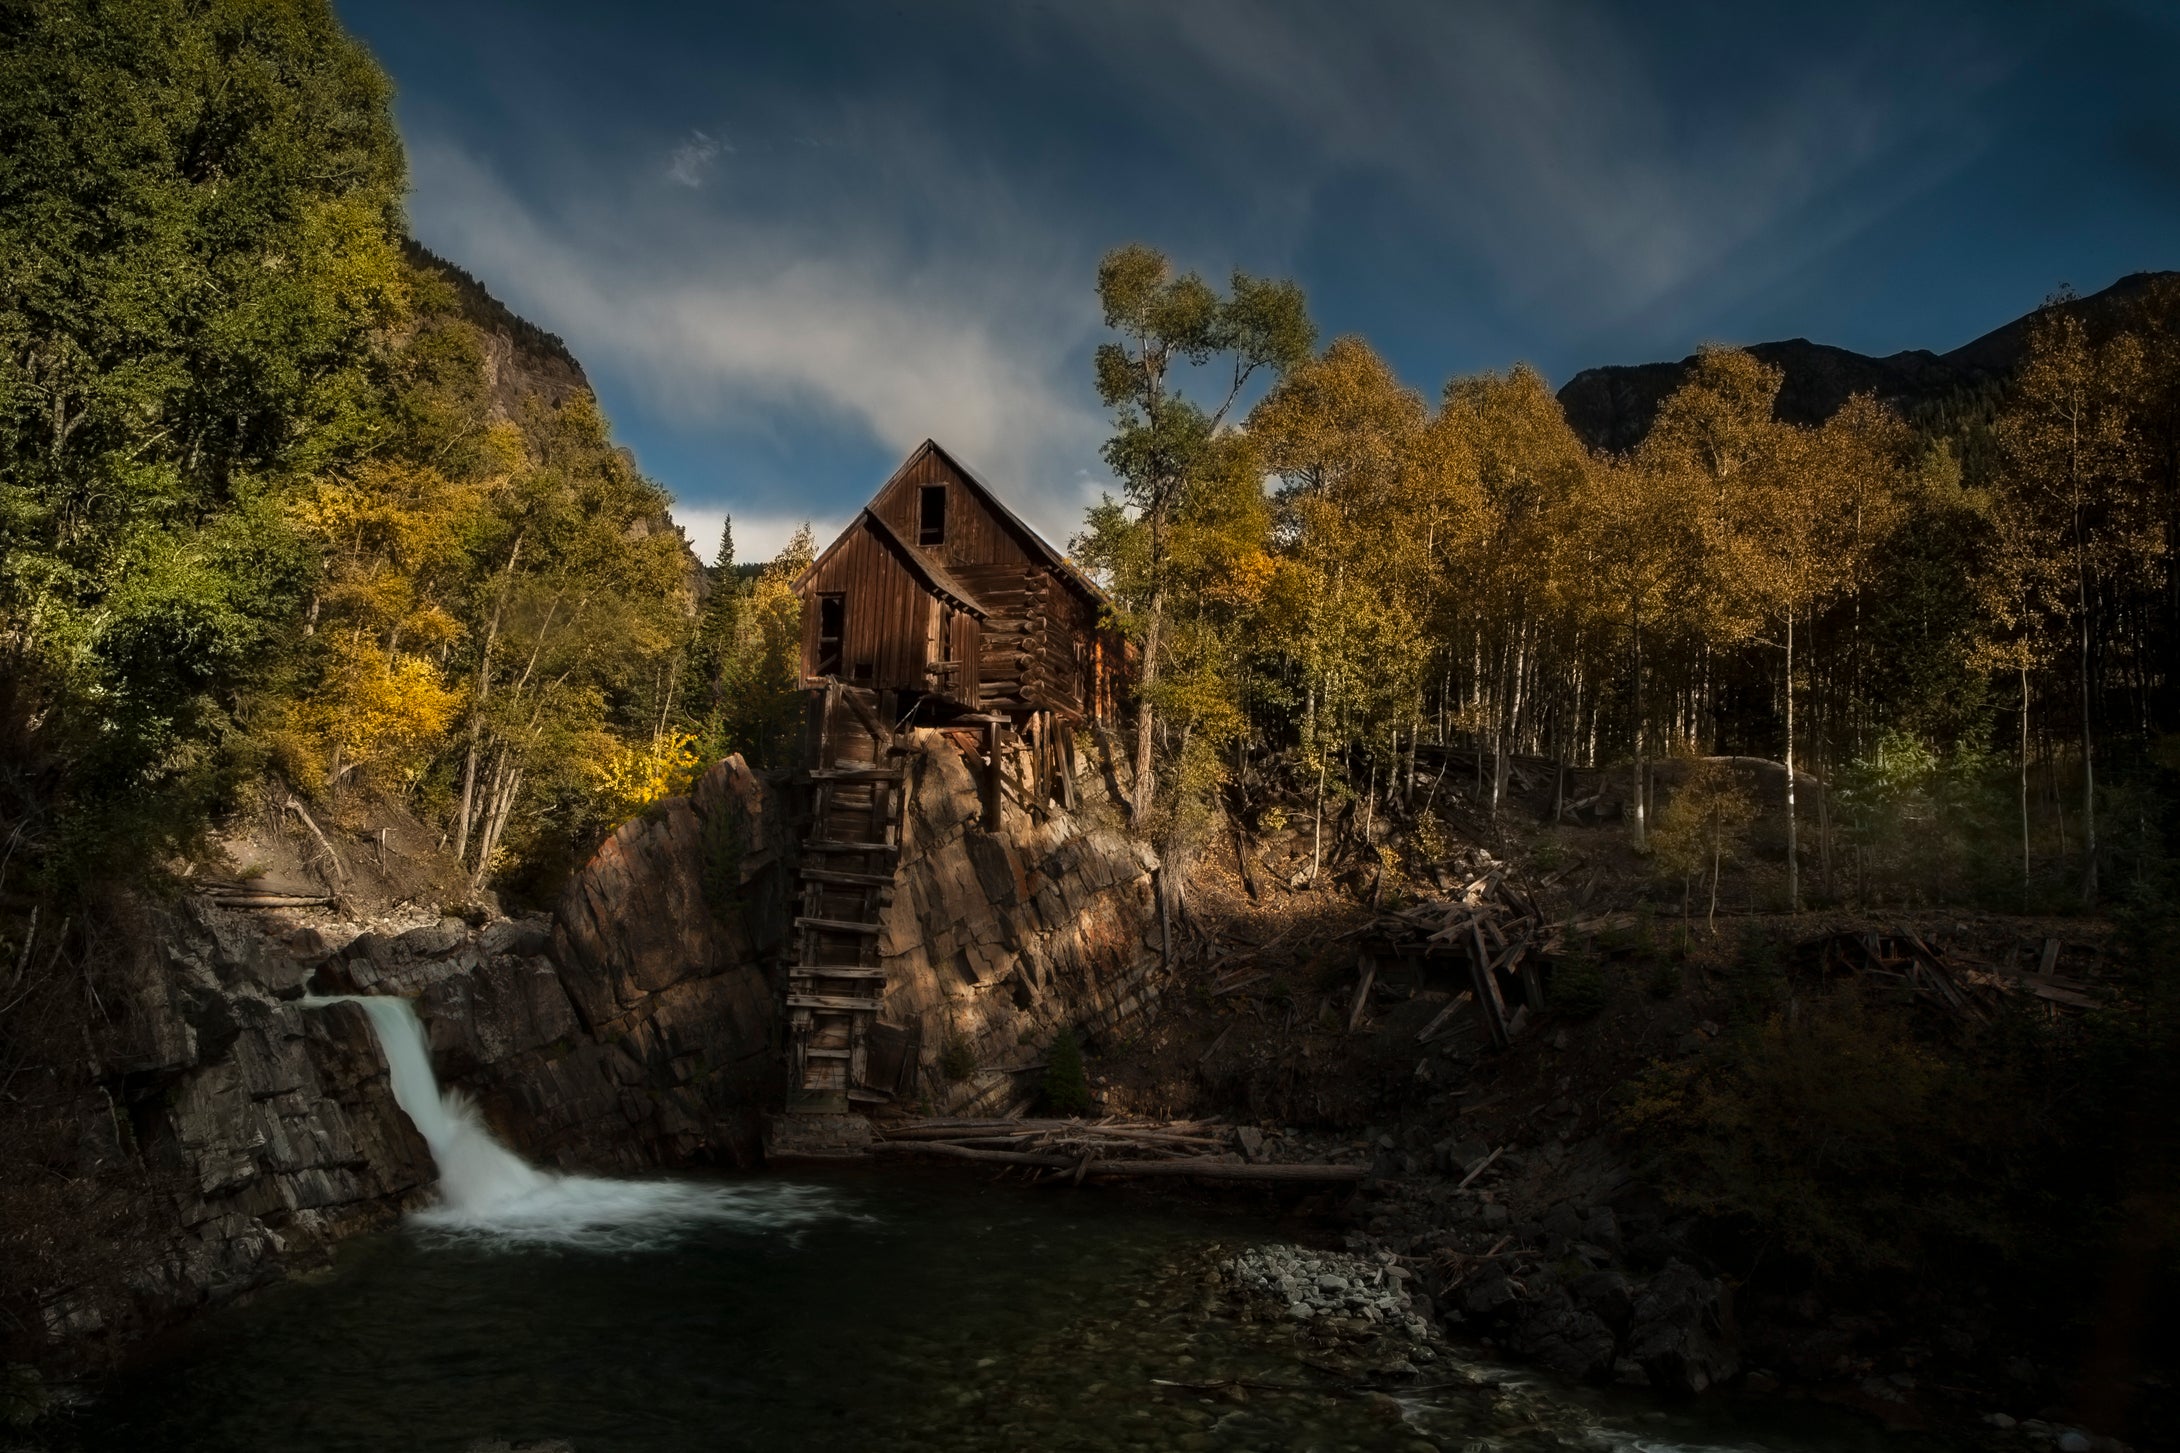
832	617
931	522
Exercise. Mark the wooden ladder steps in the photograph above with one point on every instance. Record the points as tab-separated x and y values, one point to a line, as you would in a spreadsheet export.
846	879
855	774
833	847
837	971
839	925
849	1002
825	1054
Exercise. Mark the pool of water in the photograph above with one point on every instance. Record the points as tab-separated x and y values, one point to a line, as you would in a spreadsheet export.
840	1312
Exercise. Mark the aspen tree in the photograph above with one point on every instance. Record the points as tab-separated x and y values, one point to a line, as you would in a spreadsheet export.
1162	439
2070	455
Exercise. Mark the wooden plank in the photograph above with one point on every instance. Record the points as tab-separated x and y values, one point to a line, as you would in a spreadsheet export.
837	925
1489	1002
1362	993
1466	996
824	846
836	971
844	1002
854	774
845	879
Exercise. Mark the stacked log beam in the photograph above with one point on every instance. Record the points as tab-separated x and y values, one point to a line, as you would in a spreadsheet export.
1111	1148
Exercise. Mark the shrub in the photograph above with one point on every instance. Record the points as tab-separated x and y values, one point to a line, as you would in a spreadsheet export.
1067	1089
956	1060
1579	987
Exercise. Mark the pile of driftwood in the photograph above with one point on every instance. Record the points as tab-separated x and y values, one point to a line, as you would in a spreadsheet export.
1495	928
1076	1150
1955	979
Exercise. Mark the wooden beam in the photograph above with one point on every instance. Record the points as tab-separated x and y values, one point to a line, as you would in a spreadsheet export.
838	925
845	1002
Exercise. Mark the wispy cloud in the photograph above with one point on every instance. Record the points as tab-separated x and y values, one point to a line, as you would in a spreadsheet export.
693	158
757	536
774	326
1551	142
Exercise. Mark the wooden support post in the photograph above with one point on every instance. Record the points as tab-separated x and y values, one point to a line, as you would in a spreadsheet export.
1490	1004
1067	767
992	770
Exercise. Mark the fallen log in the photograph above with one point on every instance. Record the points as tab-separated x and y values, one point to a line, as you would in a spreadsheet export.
272	900
1228	1170
1197	1167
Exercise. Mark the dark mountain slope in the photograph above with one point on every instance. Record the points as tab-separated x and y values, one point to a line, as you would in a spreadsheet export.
1612	407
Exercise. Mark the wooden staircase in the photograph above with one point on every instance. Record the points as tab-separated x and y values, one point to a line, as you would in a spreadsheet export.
836	985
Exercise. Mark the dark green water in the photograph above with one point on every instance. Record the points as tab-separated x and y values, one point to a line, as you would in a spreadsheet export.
886	1313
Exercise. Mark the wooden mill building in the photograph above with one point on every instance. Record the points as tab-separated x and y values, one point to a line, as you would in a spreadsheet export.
940	595
936	607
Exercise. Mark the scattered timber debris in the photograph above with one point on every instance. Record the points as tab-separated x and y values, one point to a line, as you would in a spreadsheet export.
1491	923
1076	1150
1955	979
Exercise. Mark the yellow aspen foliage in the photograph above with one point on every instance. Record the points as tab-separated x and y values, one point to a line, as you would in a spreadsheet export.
378	713
633	775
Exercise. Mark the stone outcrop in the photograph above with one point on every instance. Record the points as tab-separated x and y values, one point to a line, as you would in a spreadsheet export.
995	940
633	1029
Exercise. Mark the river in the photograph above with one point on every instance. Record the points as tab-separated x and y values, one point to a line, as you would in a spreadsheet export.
851	1310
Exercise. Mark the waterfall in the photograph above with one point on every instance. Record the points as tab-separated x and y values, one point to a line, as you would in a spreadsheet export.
488	1190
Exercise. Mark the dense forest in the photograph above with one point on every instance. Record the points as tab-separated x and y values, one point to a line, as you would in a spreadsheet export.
1953	629
268	507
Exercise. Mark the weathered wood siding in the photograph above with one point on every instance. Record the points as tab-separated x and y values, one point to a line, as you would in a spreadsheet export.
974	535
1039	647
885	621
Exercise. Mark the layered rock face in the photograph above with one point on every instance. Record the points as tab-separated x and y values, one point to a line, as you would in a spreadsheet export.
995	940
635	1029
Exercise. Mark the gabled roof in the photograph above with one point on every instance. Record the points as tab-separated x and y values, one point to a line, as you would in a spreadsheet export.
933	576
1031	541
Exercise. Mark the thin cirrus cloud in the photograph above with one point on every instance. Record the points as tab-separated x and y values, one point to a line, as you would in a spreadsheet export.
1557	148
692	159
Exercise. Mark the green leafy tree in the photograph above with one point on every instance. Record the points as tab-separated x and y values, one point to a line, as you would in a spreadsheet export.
1163	441
199	270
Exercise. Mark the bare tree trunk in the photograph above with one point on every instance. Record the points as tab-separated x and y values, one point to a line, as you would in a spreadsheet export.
2024	786
1145	787
1317	835
464	814
1636	620
1793	835
2089	749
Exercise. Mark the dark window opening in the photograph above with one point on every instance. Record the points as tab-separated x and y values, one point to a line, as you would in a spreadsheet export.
932	528
864	671
946	633
832	619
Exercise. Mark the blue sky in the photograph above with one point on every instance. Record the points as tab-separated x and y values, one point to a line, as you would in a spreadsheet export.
790	240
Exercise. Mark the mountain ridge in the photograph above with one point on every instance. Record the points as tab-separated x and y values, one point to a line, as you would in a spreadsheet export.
1611	407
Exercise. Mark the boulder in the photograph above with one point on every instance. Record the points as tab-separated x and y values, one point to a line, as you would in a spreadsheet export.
1681	1330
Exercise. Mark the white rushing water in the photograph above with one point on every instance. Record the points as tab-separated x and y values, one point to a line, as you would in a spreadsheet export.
487	1190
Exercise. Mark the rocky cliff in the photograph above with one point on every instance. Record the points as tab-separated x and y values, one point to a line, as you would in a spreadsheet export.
995	940
634	1029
